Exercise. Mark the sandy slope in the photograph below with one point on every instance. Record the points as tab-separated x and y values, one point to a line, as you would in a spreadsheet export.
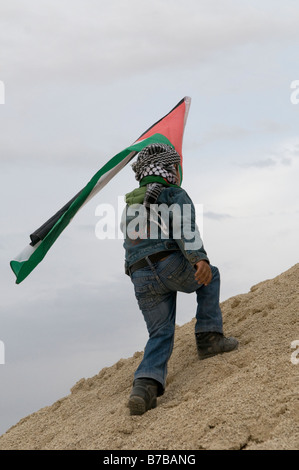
247	399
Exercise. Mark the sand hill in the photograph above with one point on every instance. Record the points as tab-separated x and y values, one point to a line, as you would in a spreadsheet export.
247	399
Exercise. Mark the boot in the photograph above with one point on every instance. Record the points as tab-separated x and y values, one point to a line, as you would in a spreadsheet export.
211	343
143	396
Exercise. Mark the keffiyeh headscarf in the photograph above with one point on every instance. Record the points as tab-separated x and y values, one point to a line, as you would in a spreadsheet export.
156	161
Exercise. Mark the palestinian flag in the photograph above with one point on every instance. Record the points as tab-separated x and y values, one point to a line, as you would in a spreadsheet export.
168	130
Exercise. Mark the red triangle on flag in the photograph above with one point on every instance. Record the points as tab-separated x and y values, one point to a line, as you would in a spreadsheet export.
172	125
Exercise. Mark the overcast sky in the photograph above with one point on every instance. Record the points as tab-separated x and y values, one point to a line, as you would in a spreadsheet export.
83	79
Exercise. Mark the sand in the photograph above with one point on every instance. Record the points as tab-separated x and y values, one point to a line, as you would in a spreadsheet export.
247	399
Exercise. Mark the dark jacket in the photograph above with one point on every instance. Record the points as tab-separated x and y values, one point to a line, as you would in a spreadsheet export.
176	229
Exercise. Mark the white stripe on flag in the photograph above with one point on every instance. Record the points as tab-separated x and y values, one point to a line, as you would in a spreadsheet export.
26	253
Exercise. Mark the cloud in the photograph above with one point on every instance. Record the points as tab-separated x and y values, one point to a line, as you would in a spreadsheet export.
266	163
270	126
219	132
284	155
224	132
216	215
71	72
289	150
99	41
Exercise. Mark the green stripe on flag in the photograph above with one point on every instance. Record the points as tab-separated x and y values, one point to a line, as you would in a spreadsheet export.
24	266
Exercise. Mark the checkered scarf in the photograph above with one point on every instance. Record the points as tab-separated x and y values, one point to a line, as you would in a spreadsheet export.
156	160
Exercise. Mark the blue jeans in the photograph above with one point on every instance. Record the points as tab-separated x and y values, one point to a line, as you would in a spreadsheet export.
156	288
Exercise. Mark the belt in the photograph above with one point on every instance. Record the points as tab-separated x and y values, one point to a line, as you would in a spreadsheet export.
153	258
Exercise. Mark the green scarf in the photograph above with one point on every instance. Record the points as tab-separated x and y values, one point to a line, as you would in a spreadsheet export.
137	195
